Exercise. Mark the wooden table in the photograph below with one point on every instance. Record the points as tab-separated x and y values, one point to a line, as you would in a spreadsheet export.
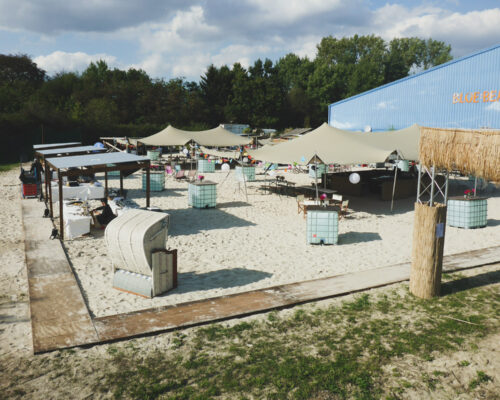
313	189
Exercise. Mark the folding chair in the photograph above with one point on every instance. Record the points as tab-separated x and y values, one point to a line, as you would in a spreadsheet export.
191	177
300	203
343	208
336	199
180	175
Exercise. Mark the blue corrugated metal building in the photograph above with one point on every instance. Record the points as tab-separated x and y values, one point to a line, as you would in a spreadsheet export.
463	93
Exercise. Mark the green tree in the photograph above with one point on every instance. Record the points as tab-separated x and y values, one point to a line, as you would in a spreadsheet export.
216	88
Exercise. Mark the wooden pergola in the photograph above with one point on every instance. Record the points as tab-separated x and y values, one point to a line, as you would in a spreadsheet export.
84	165
46	146
52	152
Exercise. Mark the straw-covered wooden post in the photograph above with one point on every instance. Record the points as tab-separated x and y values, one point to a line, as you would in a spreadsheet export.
427	251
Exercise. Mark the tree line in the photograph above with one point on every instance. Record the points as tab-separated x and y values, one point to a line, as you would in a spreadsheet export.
291	92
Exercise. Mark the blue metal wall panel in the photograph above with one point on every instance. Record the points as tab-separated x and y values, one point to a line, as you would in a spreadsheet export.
463	93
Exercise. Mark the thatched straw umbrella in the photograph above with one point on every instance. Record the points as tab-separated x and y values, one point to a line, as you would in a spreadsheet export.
473	152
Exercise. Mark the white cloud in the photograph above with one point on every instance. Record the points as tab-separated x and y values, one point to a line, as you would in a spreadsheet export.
466	32
305	46
182	37
238	53
52	16
59	61
288	11
187	30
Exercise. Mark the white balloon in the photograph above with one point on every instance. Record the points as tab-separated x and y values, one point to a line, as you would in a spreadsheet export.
225	167
245	160
185	151
354	178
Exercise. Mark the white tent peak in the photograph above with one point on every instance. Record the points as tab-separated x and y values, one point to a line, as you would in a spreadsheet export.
218	136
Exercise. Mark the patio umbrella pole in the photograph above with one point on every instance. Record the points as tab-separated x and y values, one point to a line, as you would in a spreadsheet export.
394	185
316	176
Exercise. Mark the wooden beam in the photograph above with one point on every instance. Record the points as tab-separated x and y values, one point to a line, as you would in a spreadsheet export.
47	182
121	183
148	185
106	183
61	217
50	192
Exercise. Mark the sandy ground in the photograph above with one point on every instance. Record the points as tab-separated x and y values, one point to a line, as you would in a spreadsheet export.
246	245
41	376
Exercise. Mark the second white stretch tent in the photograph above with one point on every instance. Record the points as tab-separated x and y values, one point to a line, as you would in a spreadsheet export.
333	145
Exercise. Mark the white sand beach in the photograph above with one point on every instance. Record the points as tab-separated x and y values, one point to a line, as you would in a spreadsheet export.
241	246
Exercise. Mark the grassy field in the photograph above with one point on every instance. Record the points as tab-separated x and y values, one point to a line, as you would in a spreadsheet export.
8	167
337	352
383	344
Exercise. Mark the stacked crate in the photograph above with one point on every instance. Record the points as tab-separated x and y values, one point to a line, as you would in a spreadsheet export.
322	225
247	172
467	212
206	166
202	194
156	181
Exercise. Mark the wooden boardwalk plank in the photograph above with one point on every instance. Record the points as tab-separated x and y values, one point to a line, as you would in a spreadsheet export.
59	316
148	321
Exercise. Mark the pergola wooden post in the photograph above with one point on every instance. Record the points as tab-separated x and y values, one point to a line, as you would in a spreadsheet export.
61	219
148	177
49	173
106	183
121	183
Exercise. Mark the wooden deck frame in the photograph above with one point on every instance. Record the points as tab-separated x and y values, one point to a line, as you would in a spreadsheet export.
60	318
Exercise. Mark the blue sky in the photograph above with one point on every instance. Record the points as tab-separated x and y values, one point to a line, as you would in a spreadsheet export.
180	38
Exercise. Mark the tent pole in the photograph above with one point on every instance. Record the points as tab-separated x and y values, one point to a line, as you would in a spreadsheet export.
394	184
433	182
316	175
419	168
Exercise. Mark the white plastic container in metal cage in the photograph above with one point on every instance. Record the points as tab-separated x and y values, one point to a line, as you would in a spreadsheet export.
202	194
206	165
322	225
156	181
245	173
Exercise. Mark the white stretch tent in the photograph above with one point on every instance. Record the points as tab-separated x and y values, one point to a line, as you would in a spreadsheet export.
171	136
333	145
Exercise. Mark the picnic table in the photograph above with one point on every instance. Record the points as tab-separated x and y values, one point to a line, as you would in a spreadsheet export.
312	189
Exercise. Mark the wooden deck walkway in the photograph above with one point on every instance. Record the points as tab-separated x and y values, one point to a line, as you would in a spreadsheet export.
60	318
